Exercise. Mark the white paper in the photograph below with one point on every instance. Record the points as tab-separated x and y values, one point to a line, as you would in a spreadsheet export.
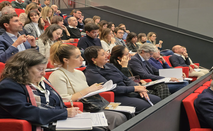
129	109
174	72
197	70
106	87
99	119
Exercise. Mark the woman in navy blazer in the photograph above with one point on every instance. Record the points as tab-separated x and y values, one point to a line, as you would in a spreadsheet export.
22	77
127	91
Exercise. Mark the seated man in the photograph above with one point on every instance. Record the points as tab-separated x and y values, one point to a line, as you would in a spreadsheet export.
73	30
119	32
177	60
18	4
90	39
140	66
46	3
126	32
56	11
204	107
12	41
78	15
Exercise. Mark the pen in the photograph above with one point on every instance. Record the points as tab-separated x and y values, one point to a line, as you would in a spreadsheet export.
71	103
100	83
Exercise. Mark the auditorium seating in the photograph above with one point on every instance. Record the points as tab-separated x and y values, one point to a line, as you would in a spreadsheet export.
19	11
200	89
15	125
188	103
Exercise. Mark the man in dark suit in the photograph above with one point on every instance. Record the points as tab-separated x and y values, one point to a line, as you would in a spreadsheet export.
73	30
140	66
78	15
12	41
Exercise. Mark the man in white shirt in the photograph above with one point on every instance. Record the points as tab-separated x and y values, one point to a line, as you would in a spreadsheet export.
72	28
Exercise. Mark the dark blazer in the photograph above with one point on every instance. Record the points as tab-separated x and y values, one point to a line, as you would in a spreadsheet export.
178	61
74	32
87	41
96	74
204	108
17	5
32	29
14	104
144	71
132	47
6	48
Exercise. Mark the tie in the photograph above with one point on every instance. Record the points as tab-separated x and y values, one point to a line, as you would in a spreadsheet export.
123	42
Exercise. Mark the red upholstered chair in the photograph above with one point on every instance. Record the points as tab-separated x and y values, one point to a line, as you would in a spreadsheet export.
201	129
109	96
166	58
208	83
200	89
2	65
49	65
15	125
188	103
74	44
19	11
64	16
147	80
75	104
76	40
47	74
81	68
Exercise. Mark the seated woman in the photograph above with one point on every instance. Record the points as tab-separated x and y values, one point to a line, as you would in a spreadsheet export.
33	24
120	57
47	14
71	83
111	26
141	39
50	35
127	91
131	42
22	76
107	40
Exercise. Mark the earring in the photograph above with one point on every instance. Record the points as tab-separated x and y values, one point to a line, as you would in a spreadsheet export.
95	63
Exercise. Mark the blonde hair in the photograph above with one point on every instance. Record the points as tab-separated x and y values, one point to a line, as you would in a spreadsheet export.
30	7
149	35
59	51
45	12
104	34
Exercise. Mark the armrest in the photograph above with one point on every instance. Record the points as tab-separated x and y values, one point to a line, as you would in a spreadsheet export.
14	125
185	70
109	96
147	80
75	104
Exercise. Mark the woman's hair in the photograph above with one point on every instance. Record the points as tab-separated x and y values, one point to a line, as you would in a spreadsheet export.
101	24
110	25
48	33
58	51
149	35
117	51
104	35
30	7
140	35
56	19
29	20
130	36
96	17
17	67
45	12
3	4
91	52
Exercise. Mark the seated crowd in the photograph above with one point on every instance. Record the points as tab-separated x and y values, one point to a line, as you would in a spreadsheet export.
41	35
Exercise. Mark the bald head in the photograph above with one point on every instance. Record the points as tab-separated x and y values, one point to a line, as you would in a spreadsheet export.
7	10
72	21
54	7
177	49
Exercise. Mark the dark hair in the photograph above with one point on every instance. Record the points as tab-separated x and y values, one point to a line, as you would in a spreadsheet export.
130	36
140	35
91	26
118	28
74	11
6	19
48	33
110	25
56	19
91	52
117	51
3	4
17	66
29	20
58	51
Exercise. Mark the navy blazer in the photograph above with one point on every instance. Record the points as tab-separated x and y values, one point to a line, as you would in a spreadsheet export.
96	74
14	104
178	61
204	108
6	48
139	68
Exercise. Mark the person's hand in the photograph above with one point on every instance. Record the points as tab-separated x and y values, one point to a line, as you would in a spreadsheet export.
94	87
143	82
140	89
42	22
71	40
58	12
127	31
160	42
80	20
124	61
184	75
191	69
185	55
31	40
144	95
21	39
71	112
174	79
64	28
161	59
112	40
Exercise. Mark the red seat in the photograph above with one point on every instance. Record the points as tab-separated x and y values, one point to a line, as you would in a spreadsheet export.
49	65
75	104
81	68
200	89
74	44
76	40
188	103
109	96
2	65
208	83
201	129
47	74
15	125
64	16
19	11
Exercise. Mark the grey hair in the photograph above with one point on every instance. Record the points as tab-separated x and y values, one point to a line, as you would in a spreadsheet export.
147	47
6	10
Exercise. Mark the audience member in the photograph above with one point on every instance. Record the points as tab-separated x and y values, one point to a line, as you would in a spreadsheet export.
140	66
65	34
71	83
46	3
3	4
18	4
102	25
23	75
88	20
127	92
11	41
120	57
78	15
111	26
204	107
47	14
131	42
126	32
177	60
73	30
141	39
56	11
50	35
34	25
90	39
107	40
96	19
119	32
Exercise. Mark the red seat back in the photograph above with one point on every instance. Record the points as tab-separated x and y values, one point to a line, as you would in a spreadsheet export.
2	65
166	58
200	89
109	96
19	11
47	74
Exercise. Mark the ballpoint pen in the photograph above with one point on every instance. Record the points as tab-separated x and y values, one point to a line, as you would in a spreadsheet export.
71	103
100	83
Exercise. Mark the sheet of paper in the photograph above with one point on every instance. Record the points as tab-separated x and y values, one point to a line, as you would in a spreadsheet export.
174	72
99	119
197	70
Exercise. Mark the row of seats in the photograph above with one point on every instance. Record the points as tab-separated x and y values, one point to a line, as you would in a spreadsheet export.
188	103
